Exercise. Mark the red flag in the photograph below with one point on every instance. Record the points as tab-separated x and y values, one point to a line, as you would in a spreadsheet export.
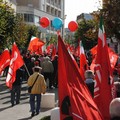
94	50
15	63
112	55
39	46
71	48
83	61
73	90
49	49
103	93
4	60
39	51
92	66
34	44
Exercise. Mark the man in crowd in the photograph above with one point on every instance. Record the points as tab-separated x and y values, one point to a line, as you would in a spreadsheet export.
47	69
38	88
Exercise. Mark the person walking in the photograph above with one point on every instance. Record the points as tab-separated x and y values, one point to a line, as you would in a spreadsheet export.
89	80
47	69
16	88
38	88
55	73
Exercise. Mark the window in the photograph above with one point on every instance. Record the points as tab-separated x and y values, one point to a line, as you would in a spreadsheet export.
55	12
59	14
48	9
28	17
52	11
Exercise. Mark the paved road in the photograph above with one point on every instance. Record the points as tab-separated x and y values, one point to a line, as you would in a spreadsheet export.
20	111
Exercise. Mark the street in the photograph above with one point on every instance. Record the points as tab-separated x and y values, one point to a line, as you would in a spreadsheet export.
22	110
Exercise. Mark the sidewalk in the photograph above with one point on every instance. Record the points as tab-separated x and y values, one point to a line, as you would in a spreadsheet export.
20	111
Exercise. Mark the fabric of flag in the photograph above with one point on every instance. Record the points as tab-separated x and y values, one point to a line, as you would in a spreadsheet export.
15	63
49	49
112	55
113	58
39	51
71	48
4	60
103	75
94	50
75	100
35	44
83	61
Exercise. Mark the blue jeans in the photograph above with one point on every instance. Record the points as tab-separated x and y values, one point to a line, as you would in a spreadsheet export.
35	100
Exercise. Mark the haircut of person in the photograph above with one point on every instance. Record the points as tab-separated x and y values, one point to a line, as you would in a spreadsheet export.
89	80
89	74
115	109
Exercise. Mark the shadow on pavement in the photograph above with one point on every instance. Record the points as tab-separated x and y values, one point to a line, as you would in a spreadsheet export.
27	118
6	97
1	93
2	109
44	109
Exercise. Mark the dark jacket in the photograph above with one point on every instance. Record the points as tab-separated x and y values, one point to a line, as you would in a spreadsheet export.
18	79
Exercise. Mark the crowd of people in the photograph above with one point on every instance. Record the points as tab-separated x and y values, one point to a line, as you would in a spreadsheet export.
40	69
46	68
49	67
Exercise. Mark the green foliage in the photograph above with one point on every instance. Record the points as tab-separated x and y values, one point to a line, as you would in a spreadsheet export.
7	23
13	28
69	41
88	33
53	40
31	30
20	34
111	17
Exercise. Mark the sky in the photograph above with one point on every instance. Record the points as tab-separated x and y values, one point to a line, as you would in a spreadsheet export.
73	8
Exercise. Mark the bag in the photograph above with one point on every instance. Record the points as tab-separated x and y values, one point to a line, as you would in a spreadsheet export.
29	89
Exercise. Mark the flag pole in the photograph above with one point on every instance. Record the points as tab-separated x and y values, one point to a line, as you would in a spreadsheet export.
27	70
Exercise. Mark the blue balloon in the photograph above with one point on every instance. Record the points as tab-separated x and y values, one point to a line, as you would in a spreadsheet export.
57	23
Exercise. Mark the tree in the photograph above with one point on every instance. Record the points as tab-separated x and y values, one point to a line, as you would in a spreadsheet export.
22	32
111	16
7	23
32	30
13	28
88	33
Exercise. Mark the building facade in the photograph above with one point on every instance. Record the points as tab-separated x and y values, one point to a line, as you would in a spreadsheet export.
85	16
33	10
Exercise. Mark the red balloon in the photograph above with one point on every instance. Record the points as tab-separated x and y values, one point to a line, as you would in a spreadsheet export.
72	26
44	22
